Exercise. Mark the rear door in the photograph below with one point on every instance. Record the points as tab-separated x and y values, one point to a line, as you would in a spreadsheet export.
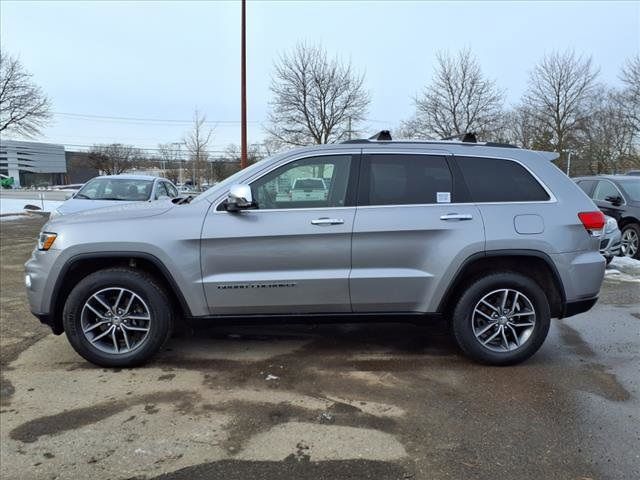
412	223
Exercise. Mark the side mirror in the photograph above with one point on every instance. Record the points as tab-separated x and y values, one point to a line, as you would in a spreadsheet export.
240	198
614	200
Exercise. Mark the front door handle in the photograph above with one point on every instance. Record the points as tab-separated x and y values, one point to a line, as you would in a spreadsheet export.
456	216
327	221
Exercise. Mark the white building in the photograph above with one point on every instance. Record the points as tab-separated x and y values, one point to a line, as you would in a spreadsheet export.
32	163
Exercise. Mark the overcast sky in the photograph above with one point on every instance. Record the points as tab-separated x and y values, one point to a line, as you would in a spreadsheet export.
160	60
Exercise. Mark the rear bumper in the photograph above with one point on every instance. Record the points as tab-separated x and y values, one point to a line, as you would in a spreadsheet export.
575	307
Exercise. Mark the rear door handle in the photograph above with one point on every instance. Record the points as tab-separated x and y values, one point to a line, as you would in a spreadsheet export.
327	221
456	216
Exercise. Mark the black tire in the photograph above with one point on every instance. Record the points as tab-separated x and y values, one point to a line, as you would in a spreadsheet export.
464	311
146	288
634	228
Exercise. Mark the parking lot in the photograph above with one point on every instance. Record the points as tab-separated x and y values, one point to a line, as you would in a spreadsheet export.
375	401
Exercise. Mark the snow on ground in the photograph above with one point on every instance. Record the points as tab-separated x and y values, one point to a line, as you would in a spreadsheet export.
16	205
8	218
624	269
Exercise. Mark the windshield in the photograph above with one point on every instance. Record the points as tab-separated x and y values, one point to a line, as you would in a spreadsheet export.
631	188
126	189
229	180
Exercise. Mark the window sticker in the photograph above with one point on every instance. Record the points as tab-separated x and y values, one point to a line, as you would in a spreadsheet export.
443	197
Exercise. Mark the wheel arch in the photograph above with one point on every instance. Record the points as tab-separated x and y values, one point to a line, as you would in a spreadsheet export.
81	265
624	221
532	263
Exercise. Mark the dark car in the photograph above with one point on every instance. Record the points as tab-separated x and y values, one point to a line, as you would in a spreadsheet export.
619	197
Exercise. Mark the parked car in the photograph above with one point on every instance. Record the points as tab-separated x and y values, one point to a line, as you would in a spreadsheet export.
619	197
116	190
494	239
610	245
308	189
634	173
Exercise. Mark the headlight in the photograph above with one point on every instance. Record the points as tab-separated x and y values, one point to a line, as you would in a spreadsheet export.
45	240
611	225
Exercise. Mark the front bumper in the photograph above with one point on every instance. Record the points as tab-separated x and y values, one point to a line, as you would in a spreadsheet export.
38	268
611	244
48	320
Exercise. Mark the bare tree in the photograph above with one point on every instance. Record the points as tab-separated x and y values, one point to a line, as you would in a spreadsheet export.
197	141
459	99
558	93
605	138
315	99
630	97
24	108
523	128
115	158
170	161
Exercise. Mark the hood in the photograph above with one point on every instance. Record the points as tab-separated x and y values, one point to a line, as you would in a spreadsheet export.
75	205
110	210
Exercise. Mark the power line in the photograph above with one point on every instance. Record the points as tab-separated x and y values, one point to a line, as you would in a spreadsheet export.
87	116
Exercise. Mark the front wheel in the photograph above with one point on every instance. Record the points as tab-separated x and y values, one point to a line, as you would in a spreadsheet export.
501	319
117	317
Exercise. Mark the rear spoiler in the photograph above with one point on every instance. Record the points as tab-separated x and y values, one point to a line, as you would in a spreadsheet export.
550	156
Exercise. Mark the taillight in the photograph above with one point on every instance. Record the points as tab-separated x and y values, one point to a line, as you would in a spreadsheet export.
593	222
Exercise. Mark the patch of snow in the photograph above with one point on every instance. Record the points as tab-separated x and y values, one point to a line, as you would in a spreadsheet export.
271	377
623	269
9	218
16	205
626	266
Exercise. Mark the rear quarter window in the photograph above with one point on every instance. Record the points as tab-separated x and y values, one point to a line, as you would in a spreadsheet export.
498	180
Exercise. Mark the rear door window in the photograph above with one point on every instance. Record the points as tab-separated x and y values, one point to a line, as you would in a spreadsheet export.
498	180
404	179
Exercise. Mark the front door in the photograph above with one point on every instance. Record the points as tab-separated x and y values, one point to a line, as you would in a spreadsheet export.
411	225
291	254
603	194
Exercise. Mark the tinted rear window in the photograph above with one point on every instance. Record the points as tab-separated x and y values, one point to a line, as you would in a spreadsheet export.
494	180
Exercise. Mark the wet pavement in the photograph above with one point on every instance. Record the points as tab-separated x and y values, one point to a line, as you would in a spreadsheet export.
365	401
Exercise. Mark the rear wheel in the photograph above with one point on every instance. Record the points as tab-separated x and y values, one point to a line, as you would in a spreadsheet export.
501	319
631	240
117	317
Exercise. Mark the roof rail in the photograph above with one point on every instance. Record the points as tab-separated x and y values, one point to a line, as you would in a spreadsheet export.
468	138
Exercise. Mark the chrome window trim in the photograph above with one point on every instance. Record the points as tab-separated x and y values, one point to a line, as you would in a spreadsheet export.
303	155
372	150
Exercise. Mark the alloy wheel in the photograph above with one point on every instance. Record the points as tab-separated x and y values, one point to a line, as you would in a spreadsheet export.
115	320
630	242
503	320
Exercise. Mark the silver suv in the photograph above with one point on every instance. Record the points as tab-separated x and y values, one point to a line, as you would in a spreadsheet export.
493	238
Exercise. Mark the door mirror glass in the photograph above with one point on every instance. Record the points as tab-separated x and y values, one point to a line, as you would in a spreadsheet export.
239	198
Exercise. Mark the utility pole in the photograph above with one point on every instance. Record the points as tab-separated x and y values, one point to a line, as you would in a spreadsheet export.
179	158
243	87
568	152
